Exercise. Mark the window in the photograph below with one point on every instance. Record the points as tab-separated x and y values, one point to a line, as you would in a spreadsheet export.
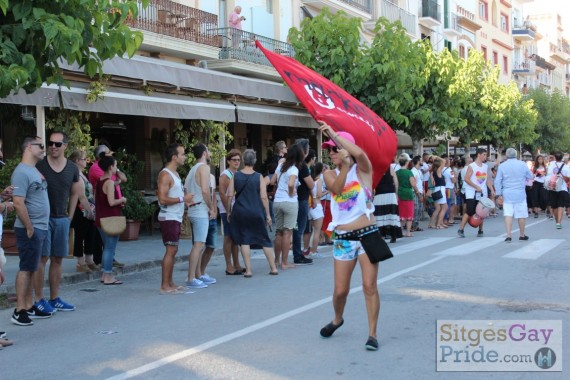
483	10
484	50
504	23
505	65
462	52
495	58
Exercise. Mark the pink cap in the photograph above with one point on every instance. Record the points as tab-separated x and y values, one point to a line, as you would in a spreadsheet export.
344	135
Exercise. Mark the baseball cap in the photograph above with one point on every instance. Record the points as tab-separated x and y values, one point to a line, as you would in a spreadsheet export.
344	135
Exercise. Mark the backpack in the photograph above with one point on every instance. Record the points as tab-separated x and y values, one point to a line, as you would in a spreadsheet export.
554	181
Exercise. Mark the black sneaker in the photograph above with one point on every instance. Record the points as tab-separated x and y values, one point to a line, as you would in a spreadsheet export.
303	261
460	233
523	237
371	344
35	313
21	318
480	234
2	335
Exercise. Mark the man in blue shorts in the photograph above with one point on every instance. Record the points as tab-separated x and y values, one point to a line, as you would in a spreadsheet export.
32	209
62	178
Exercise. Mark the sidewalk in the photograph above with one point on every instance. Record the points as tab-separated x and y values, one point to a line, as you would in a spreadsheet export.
139	255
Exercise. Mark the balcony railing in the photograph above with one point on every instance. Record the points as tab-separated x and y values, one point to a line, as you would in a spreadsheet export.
363	5
240	45
393	13
451	22
176	20
430	8
525	66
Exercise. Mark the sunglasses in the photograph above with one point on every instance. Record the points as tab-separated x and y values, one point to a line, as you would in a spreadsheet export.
57	144
334	149
39	144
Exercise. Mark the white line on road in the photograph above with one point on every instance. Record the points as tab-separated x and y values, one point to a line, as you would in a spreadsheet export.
535	249
527	226
418	245
248	330
478	244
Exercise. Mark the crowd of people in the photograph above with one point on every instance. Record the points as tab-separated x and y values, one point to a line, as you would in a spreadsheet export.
304	201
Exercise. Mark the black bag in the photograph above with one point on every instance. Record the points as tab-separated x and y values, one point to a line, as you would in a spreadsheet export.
375	247
435	195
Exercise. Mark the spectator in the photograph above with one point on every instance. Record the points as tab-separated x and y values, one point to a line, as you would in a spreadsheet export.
236	18
418	193
31	227
386	206
108	203
316	214
406	189
306	183
85	232
171	198
558	198
440	204
249	217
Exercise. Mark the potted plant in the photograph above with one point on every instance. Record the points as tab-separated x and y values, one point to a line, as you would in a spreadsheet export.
136	210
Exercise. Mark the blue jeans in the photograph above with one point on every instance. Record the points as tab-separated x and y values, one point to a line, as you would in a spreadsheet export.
109	246
302	217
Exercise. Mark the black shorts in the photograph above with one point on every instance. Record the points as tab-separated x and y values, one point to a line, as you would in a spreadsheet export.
557	198
471	206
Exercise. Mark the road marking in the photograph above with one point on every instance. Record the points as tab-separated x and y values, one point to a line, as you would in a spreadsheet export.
535	249
418	245
527	226
253	328
476	245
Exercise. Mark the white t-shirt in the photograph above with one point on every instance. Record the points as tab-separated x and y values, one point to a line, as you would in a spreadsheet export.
463	173
418	176
448	176
425	171
478	176
282	193
554	168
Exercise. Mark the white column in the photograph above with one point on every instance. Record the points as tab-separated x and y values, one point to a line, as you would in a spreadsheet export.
41	123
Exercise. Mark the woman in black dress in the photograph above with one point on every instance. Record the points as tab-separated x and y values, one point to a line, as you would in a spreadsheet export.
386	206
249	216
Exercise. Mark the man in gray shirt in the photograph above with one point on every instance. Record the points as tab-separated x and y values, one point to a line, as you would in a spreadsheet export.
32	208
510	185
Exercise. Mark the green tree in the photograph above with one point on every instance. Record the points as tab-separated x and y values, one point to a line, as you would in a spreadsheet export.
34	35
553	121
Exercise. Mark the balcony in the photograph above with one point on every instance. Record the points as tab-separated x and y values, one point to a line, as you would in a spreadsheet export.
177	30
239	55
394	13
524	32
467	20
558	53
354	8
524	67
429	14
451	26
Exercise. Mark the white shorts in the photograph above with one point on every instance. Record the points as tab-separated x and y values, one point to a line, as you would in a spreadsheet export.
516	210
317	212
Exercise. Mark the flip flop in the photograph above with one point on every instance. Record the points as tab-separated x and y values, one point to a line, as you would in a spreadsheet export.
116	282
274	273
236	273
328	330
248	275
171	292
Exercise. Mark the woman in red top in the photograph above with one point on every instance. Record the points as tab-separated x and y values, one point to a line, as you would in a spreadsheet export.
107	203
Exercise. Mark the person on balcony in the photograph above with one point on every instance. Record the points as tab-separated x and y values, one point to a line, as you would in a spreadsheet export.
236	18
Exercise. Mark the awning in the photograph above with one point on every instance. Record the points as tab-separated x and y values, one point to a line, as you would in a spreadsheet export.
134	102
152	69
286	117
46	96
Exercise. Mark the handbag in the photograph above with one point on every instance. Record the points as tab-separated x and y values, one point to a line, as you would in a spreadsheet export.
375	247
113	225
435	195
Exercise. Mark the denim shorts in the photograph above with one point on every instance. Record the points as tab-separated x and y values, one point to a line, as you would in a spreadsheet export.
200	228
212	232
347	250
226	225
57	240
30	249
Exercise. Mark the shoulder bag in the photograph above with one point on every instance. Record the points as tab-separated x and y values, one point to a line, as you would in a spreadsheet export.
113	225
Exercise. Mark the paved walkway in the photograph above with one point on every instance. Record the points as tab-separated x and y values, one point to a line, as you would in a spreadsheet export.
142	254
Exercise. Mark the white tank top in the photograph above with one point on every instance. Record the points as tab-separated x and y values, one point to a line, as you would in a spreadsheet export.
221	209
200	209
354	201
174	211
478	176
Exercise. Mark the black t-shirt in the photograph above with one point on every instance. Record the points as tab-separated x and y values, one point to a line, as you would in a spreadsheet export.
303	190
59	186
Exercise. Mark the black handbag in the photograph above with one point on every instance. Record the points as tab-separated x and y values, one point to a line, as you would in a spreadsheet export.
375	247
435	195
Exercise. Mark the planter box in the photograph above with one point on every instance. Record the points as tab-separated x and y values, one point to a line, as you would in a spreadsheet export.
9	243
131	232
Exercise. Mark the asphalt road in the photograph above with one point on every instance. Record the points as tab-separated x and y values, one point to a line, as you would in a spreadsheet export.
267	327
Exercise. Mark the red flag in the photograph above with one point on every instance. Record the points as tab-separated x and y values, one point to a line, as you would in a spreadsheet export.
326	101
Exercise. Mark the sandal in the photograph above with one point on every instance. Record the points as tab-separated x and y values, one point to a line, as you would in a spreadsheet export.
431	227
418	229
5	342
